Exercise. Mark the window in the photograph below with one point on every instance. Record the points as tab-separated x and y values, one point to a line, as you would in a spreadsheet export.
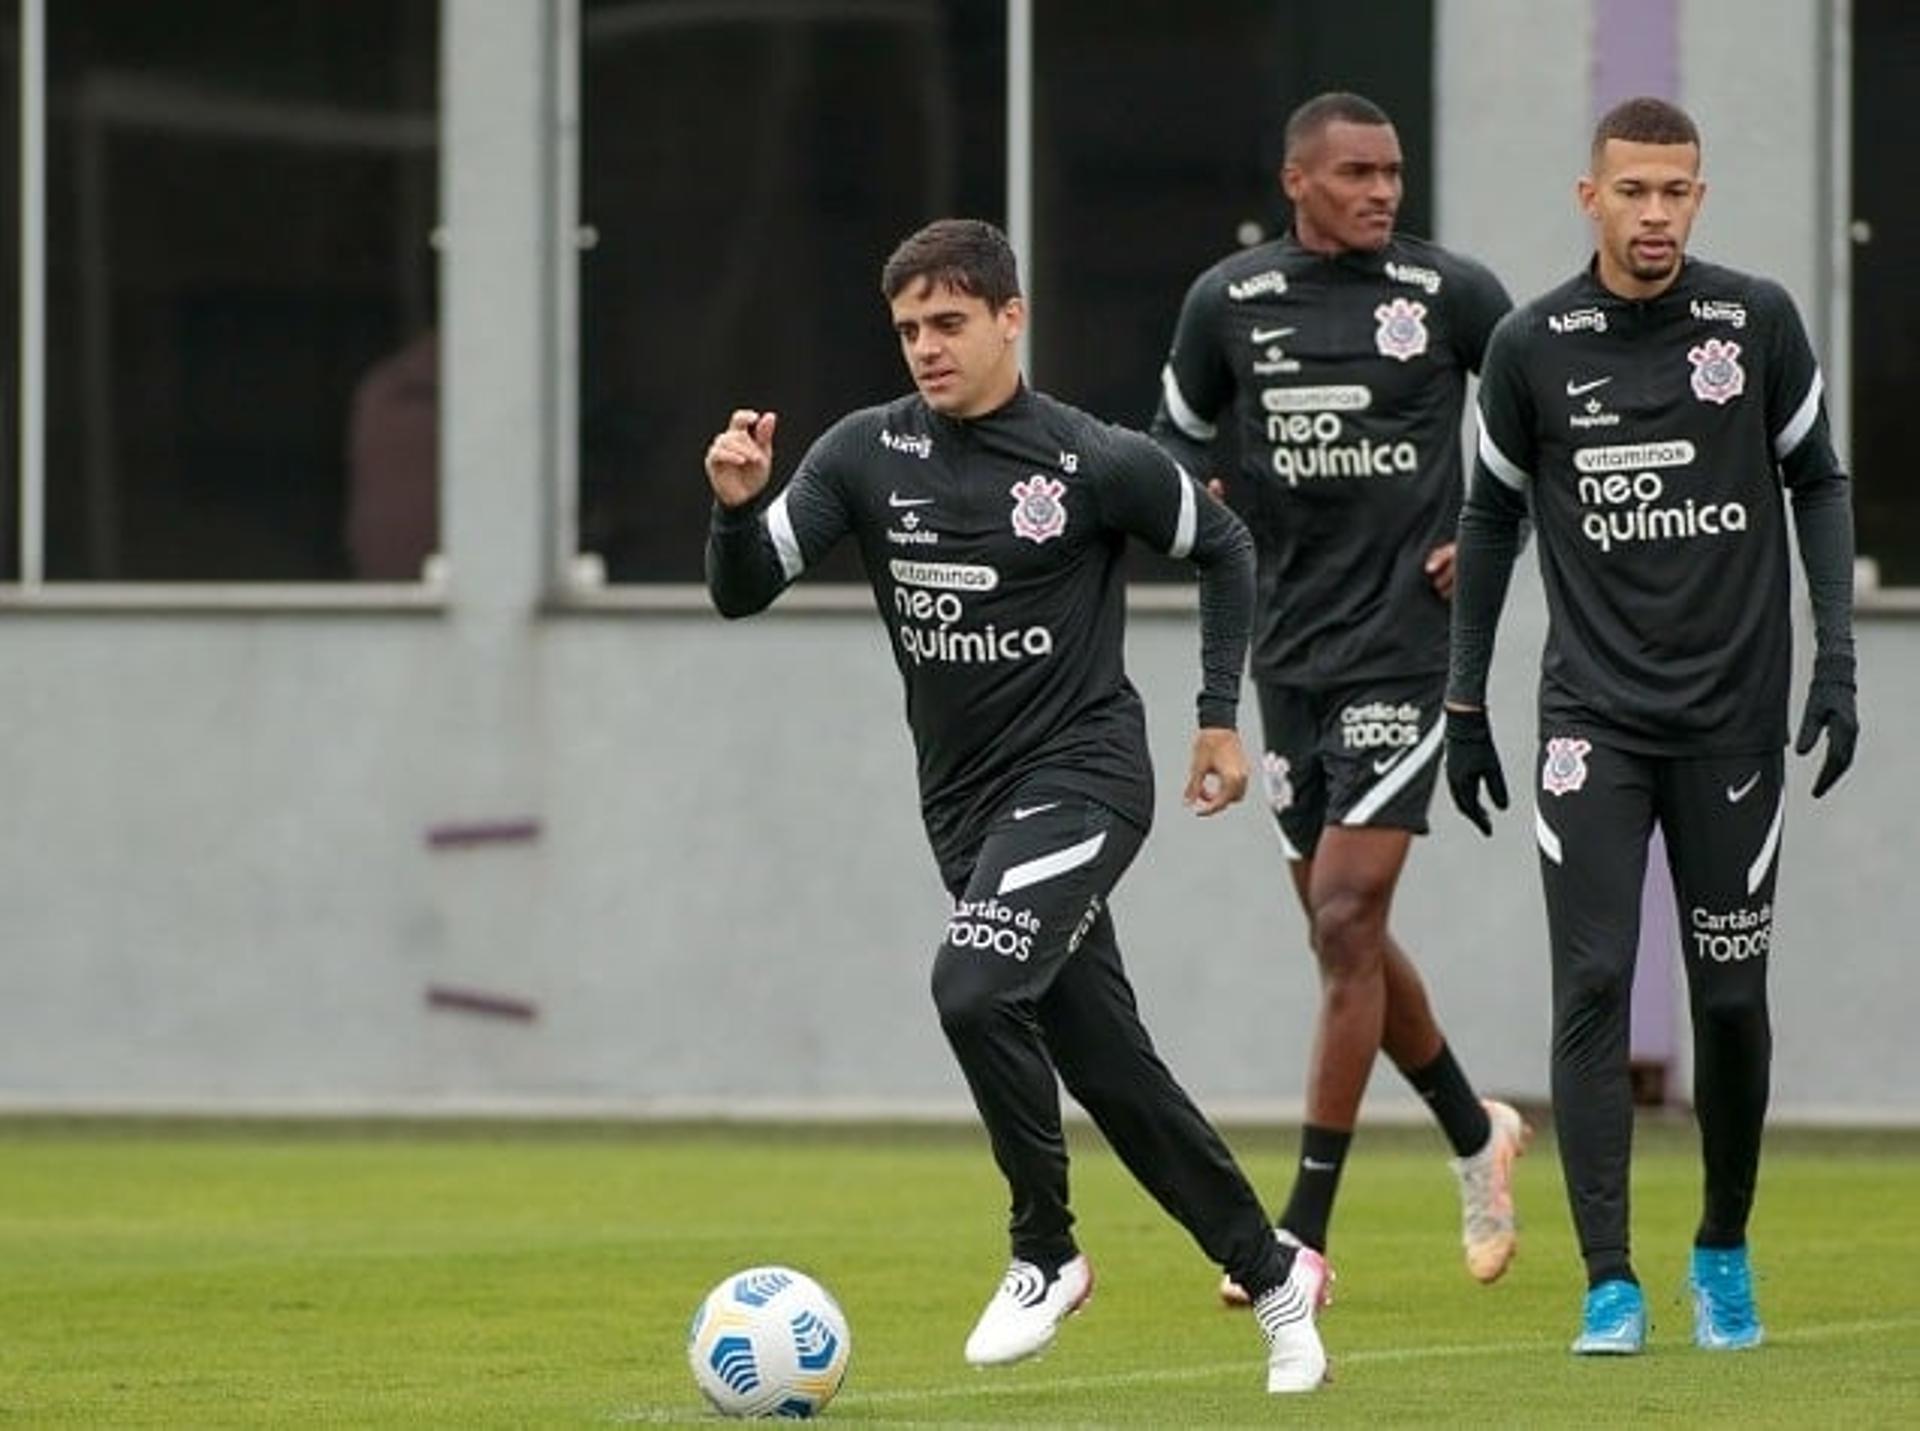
10	290
735	260
740	267
239	359
1157	149
1885	359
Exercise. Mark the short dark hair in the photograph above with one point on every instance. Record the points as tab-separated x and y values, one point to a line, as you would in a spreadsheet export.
1306	122
1644	120
966	255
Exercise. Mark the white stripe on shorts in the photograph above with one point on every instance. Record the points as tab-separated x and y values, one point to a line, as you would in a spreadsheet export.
1769	847
1045	867
1549	842
1286	845
1396	778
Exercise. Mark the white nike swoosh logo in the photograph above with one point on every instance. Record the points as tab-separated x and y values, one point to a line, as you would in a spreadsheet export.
1268	335
1314	1165
1576	389
1027	812
1385	763
894	499
1737	793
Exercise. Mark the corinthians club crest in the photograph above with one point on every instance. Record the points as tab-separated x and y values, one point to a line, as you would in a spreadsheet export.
1717	374
1402	332
1038	513
1277	771
1566	767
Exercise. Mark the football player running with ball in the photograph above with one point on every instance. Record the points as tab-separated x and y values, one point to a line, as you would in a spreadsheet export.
991	521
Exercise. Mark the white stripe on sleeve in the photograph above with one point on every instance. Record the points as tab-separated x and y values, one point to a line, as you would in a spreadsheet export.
1801	423
1501	465
1182	413
785	544
1189	519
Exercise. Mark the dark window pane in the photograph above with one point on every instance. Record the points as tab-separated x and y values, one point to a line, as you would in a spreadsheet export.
240	289
1157	139
9	290
1886	322
747	170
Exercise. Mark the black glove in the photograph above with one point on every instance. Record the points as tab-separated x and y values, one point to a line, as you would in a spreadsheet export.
1471	761
1830	708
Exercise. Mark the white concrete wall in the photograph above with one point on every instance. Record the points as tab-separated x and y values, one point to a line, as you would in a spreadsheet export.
215	889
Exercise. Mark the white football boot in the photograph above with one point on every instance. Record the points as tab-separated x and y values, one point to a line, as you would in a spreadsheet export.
1024	1314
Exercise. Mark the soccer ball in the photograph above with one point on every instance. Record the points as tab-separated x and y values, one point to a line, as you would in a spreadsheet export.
769	1341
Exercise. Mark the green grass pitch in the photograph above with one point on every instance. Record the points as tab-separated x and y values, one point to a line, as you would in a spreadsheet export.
218	1274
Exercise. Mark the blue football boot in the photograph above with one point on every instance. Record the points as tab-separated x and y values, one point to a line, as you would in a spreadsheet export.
1723	1315
1614	1321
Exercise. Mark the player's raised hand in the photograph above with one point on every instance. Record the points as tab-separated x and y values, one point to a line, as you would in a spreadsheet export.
740	460
1217	775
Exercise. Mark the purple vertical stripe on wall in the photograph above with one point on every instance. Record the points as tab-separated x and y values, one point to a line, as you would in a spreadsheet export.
1636	50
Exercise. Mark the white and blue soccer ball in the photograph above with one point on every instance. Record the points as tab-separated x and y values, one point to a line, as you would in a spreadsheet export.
769	1341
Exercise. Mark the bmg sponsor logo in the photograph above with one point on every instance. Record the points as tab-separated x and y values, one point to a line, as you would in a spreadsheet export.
1260	285
915	444
1719	310
1732	936
1578	320
1422	278
993	928
1084	927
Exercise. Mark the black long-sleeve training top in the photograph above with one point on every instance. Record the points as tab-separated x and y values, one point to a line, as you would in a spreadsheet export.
993	546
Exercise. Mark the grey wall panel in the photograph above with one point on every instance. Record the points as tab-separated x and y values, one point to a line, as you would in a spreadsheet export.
217	888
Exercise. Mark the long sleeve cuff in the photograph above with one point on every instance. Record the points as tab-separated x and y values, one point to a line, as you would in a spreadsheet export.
1823	521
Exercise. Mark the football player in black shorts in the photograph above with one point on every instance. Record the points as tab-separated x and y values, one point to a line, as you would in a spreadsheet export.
1340	353
1652	416
991	521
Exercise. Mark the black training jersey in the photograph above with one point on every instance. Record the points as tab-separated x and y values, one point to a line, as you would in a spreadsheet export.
1651	439
993	547
1347	379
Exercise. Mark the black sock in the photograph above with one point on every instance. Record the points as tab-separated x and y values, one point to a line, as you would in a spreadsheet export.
1453	1101
1049	1261
1609	1266
1323	1153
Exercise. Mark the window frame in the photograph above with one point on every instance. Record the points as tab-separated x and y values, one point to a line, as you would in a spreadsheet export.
32	590
574	580
1870	598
